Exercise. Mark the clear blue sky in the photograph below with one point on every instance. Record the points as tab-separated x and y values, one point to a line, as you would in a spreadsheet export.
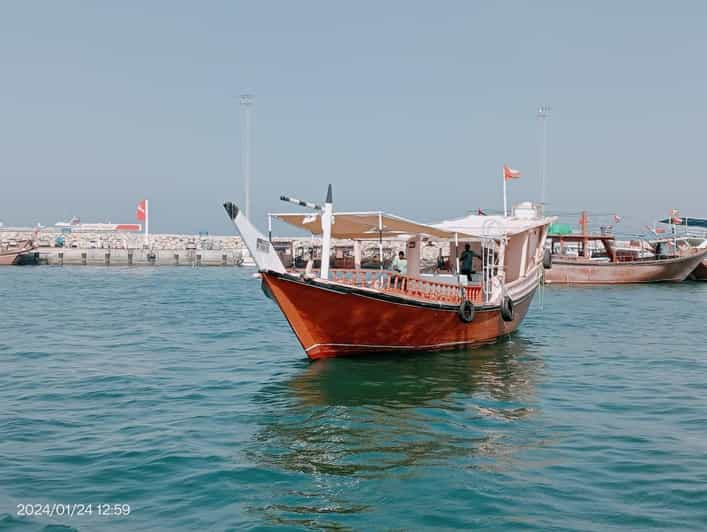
406	106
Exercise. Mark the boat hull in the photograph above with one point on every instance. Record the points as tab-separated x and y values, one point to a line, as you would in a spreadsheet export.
334	320
652	271
12	255
700	273
7	259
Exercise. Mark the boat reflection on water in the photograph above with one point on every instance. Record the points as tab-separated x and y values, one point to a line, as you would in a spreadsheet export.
344	421
413	380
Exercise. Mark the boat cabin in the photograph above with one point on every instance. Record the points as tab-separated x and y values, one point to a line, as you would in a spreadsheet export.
577	246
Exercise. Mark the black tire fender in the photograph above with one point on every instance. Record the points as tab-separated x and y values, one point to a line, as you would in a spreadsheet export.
507	309
466	311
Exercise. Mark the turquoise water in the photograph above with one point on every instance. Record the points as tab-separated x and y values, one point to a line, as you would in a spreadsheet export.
183	394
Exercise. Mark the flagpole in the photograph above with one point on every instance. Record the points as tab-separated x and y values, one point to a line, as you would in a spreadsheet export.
147	222
505	201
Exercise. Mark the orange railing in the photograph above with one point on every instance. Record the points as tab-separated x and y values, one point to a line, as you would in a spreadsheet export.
415	287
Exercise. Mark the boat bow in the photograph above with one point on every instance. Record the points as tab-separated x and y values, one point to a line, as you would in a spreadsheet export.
260	248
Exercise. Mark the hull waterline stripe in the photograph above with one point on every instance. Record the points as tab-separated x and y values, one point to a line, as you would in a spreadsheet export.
405	347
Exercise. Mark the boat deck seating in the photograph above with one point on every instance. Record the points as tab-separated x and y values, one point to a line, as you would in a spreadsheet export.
408	286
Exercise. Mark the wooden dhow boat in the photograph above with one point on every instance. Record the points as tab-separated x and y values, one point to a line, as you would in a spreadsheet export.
336	312
688	235
586	258
11	254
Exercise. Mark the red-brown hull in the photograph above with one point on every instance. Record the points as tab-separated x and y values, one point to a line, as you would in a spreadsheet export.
586	272
700	273
338	321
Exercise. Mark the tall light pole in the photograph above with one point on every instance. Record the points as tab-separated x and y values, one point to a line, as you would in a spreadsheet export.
246	143
543	116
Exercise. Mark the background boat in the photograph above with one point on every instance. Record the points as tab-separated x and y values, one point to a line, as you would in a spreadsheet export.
12	252
584	258
691	233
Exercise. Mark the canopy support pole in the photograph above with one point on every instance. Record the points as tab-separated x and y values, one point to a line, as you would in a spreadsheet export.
380	238
505	197
462	295
456	251
326	234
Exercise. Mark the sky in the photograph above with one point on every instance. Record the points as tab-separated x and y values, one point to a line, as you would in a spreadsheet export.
410	107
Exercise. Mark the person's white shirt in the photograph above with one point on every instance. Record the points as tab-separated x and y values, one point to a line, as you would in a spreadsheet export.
400	265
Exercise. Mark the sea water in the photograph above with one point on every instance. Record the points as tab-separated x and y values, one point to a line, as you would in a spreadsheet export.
178	398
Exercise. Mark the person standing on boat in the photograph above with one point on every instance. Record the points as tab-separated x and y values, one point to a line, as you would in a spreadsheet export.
467	261
400	263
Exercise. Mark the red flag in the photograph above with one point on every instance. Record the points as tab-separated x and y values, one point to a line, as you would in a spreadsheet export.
510	173
141	211
617	218
659	230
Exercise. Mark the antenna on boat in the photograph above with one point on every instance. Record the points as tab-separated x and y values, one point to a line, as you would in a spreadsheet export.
246	104
543	116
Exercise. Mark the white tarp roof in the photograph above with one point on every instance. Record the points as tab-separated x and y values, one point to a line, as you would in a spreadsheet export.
362	225
365	225
491	226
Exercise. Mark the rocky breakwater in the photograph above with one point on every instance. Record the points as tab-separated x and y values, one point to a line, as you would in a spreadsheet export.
131	249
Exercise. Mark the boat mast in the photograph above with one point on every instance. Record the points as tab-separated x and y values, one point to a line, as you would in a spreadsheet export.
326	234
505	192
583	220
246	104
543	116
380	238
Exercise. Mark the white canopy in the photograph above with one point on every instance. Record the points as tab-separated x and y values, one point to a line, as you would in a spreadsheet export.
363	225
367	225
491	226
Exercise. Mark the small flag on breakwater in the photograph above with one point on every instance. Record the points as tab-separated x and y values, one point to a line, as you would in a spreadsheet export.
141	210
143	215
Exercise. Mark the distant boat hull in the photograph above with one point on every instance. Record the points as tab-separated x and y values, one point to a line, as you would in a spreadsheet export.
12	255
332	320
641	271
